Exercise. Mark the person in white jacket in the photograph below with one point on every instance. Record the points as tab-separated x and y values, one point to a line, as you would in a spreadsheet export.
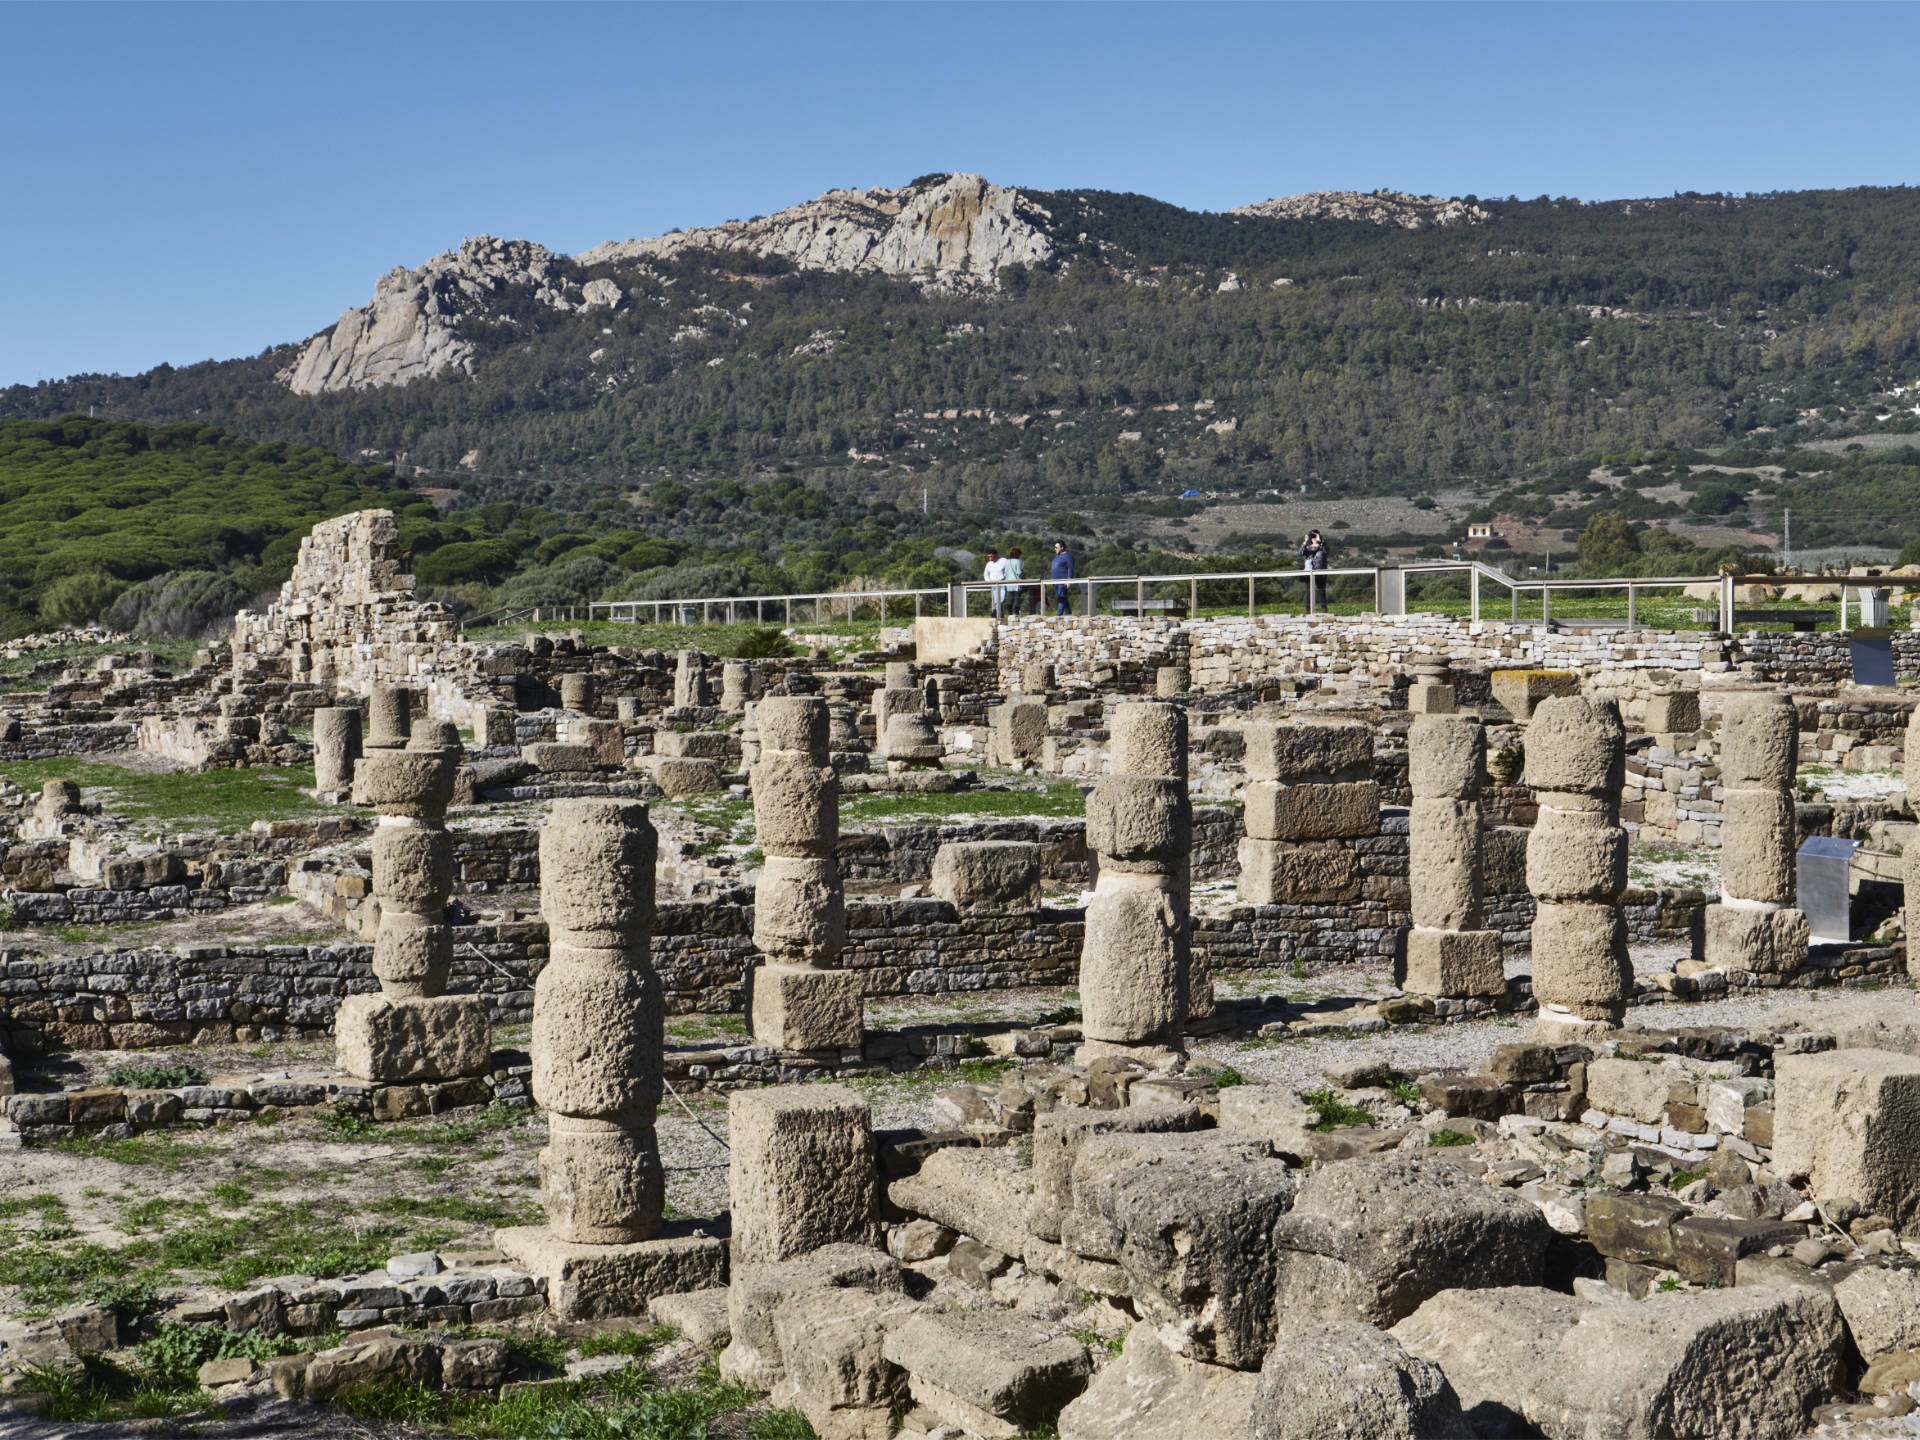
996	571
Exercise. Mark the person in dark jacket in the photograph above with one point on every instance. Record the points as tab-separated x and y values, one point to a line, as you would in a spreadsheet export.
1313	556
1062	569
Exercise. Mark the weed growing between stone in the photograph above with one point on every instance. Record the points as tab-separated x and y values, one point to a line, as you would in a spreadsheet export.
1330	1110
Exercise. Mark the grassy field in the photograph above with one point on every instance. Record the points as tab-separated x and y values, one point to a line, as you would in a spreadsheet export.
225	800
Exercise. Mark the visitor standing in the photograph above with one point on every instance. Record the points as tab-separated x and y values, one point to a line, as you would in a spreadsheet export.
1313	556
995	572
1062	569
1016	572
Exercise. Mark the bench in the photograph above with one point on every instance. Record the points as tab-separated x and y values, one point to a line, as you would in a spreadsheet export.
1171	609
1801	620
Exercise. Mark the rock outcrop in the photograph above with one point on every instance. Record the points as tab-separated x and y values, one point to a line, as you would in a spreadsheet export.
955	232
1381	207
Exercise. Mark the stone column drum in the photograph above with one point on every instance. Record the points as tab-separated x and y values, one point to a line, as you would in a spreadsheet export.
1754	925
598	1018
410	1031
336	749
1448	955
800	1002
389	717
736	686
900	696
1134	960
1310	794
1577	867
690	681
577	692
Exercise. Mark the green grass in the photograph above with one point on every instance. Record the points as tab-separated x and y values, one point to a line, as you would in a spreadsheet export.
1330	1110
1680	1179
162	1152
156	1077
466	1209
1445	1139
1063	799
226	800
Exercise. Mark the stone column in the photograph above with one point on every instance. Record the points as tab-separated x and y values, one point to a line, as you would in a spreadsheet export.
1448	954
736	685
336	749
1134	960
800	1002
1017	731
1171	680
410	1031
598	1018
576	692
1754	925
690	681
1577	867
389	717
1310	794
1430	694
900	696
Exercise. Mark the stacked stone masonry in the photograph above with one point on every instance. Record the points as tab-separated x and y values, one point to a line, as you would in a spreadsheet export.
1754	925
1449	953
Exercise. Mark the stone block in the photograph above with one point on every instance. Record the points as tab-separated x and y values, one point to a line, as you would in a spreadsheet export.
606	738
1453	964
554	757
1153	1393
593	1282
408	1040
1577	745
577	692
798	1007
801	1172
412	954
417	784
1171	680
1059	1134
1139	821
1346	1379
1133	966
1002	1365
1446	757
799	910
987	875
1428	697
412	866
1576	855
679	776
794	722
1675	713
1019	730
973	1192
758	1292
1310	811
1759	741
598	1020
1755	939
700	1316
1373	1238
1148	738
1580	959
1522	691
1633	1227
1882	1309
1443	863
1849	1120
1758	838
715	745
1633	1088
831	1354
1275	873
796	805
1311	751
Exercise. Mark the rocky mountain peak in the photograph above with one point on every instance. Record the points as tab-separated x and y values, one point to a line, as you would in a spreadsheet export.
1378	207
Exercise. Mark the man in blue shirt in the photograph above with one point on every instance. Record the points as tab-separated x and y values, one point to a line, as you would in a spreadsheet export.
1062	570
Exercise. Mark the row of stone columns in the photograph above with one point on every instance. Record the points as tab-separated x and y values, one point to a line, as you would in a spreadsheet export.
1135	956
1310	794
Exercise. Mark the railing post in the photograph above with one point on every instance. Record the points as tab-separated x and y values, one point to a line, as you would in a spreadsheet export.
1139	598
1473	593
1089	599
883	607
1513	591
1632	616
1726	604
1193	597
916	604
1250	597
1546	606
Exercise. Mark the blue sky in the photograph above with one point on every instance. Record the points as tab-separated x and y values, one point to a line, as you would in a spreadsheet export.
187	182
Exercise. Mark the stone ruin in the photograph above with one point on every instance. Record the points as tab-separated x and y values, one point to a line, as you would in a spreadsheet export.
1753	926
1448	951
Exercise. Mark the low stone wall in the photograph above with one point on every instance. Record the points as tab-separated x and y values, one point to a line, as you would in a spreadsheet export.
47	742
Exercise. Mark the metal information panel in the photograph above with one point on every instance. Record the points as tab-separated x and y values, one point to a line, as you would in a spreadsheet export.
1872	658
1825	895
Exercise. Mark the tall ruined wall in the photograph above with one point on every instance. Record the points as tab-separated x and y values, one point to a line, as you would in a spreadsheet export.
348	617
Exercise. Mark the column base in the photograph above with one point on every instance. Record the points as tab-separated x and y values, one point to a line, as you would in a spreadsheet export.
590	1282
1430	699
1742	937
1154	1056
1563	1027
1452	964
403	1040
796	1007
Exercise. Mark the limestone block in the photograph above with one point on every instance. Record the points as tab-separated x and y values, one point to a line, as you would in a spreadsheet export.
796	1007
1310	811
1153	1393
981	1193
577	692
598	1029
1754	938
1750	1362
1315	873
606	738
1273	1112
759	1291
1036	678
1373	1238
389	717
405	1040
796	805
412	954
1759	741
336	748
597	862
440	735
495	726
1882	1309
412	866
1059	1134
1631	1088
1443	863
1345	1379
1446	757
1676	713
592	1282
1019	730
554	757
1849	1120
715	745
910	737
1580	959
1148	738
987	875
678	777
1758	838
699	1315
413	783
1133	968
1577	744
830	1346
1140	821
1001	1366
794	722
1522	691
1455	964
1576	855
1171	680
736	686
1309	751
801	1171
799	912
601	1181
